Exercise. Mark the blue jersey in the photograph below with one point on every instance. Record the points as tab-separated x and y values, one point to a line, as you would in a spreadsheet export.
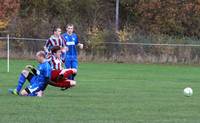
71	41
43	71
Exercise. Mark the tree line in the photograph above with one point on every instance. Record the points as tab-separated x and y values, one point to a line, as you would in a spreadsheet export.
148	21
35	18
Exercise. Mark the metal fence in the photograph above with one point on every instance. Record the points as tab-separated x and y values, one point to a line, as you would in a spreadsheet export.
25	48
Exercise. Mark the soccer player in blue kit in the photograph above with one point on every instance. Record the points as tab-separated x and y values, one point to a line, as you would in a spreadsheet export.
71	41
38	78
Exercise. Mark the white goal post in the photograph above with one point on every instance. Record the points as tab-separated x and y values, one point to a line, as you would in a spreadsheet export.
8	53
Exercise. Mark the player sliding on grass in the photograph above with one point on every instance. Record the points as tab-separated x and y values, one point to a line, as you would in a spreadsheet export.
38	78
59	76
71	41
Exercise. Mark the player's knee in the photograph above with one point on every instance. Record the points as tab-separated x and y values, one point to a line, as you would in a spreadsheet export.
25	73
73	83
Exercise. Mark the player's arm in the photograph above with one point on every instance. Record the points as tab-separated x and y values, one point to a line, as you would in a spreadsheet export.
80	45
46	46
47	76
63	55
64	47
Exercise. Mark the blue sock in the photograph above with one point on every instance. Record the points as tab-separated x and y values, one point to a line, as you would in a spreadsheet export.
21	82
73	76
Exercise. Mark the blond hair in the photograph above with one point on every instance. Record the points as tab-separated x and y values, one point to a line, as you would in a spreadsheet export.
40	53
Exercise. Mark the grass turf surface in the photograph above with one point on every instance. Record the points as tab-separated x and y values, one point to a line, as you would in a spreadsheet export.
107	93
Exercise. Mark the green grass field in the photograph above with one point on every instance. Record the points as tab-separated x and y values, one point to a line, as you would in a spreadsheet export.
107	93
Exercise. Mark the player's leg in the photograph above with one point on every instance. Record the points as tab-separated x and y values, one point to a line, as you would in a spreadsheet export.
22	79
31	90
74	66
24	93
55	74
42	88
72	83
25	74
61	84
58	77
38	94
68	63
66	73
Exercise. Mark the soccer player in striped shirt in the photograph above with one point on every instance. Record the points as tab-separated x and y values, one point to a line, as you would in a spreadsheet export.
59	76
71	41
55	40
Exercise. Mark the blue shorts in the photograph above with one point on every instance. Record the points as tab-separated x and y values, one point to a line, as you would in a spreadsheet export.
32	89
71	63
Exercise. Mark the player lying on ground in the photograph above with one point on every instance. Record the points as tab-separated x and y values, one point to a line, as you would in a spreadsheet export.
38	78
59	76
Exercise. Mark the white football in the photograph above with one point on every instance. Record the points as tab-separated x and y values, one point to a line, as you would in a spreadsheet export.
188	91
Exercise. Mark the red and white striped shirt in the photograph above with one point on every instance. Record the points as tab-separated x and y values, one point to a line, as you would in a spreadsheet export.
53	41
56	63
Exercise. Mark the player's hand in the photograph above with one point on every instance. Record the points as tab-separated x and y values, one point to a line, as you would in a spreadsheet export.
80	46
31	69
48	55
40	93
29	66
64	49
